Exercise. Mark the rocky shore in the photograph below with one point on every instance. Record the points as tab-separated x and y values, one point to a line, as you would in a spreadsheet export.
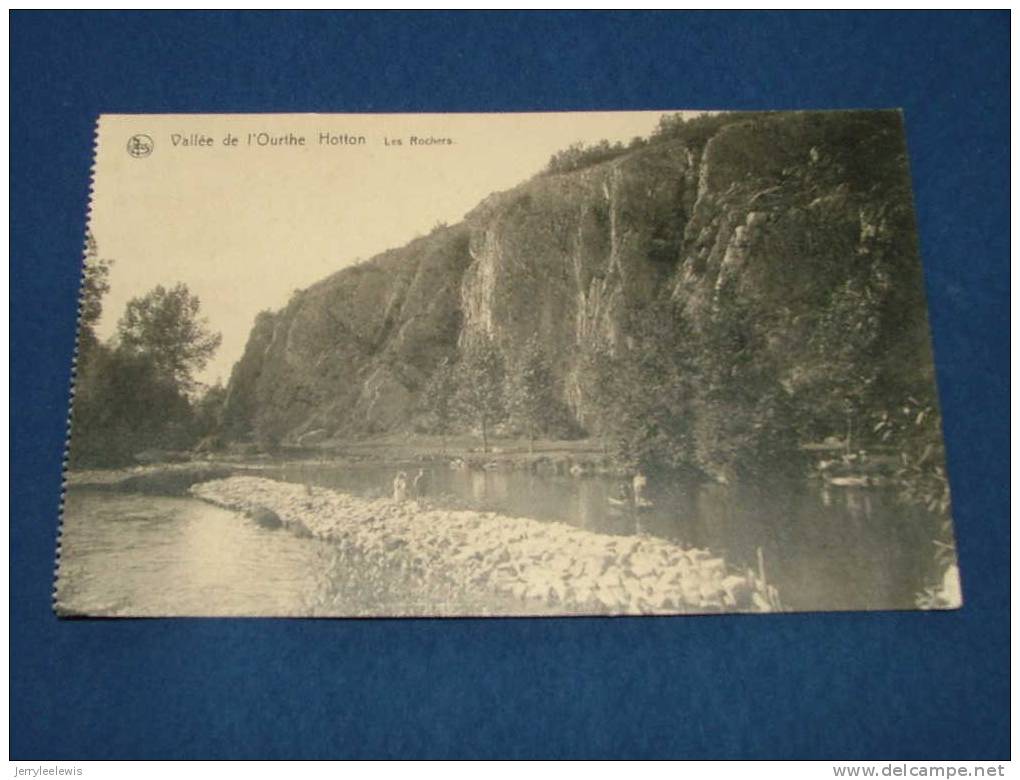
540	565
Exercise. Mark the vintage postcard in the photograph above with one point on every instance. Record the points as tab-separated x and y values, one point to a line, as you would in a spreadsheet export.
625	363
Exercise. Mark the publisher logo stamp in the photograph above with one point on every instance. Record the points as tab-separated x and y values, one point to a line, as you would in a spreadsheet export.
140	145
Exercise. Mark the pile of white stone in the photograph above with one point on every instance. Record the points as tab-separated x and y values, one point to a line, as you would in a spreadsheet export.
548	562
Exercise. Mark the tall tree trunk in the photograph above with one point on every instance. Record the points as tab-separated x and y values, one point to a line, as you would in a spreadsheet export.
485	435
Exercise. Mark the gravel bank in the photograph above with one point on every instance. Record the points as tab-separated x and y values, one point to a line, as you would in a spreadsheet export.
539	564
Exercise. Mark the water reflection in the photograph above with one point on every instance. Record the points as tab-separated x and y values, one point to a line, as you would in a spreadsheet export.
845	548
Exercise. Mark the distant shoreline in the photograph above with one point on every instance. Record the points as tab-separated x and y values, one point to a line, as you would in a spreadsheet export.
548	457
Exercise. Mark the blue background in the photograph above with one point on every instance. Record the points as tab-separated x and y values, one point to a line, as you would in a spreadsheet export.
797	686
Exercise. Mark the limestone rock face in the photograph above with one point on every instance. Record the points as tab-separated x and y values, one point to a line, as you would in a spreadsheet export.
780	211
351	352
568	257
384	399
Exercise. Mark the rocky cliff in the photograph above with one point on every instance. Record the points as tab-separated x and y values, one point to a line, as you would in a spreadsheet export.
793	217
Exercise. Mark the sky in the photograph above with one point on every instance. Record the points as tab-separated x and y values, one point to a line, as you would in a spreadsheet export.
245	224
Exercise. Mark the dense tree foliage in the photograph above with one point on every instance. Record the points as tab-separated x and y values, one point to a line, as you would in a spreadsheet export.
207	412
137	392
745	421
533	404
598	372
682	398
915	429
123	405
165	325
481	390
438	399
695	131
578	156
95	284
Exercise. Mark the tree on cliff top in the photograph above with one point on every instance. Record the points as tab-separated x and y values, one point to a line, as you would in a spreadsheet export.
578	155
480	386
165	325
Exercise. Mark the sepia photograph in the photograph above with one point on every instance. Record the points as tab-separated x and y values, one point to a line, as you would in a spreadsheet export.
395	365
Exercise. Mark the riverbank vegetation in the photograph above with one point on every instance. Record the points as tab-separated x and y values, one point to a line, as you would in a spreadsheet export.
136	391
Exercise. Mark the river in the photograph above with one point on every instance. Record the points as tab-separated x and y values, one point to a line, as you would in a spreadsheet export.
830	549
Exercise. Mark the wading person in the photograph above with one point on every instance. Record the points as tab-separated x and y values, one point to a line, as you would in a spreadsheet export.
640	483
400	487
421	485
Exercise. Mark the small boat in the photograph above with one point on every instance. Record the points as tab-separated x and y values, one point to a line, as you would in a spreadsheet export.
857	470
624	503
859	480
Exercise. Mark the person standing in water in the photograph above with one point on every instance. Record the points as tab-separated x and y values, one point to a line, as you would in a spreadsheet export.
400	487
640	483
421	485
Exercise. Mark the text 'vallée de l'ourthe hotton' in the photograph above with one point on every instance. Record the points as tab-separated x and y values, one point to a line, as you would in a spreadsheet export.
325	138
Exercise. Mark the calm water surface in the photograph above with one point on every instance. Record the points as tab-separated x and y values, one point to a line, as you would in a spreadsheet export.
150	555
823	548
